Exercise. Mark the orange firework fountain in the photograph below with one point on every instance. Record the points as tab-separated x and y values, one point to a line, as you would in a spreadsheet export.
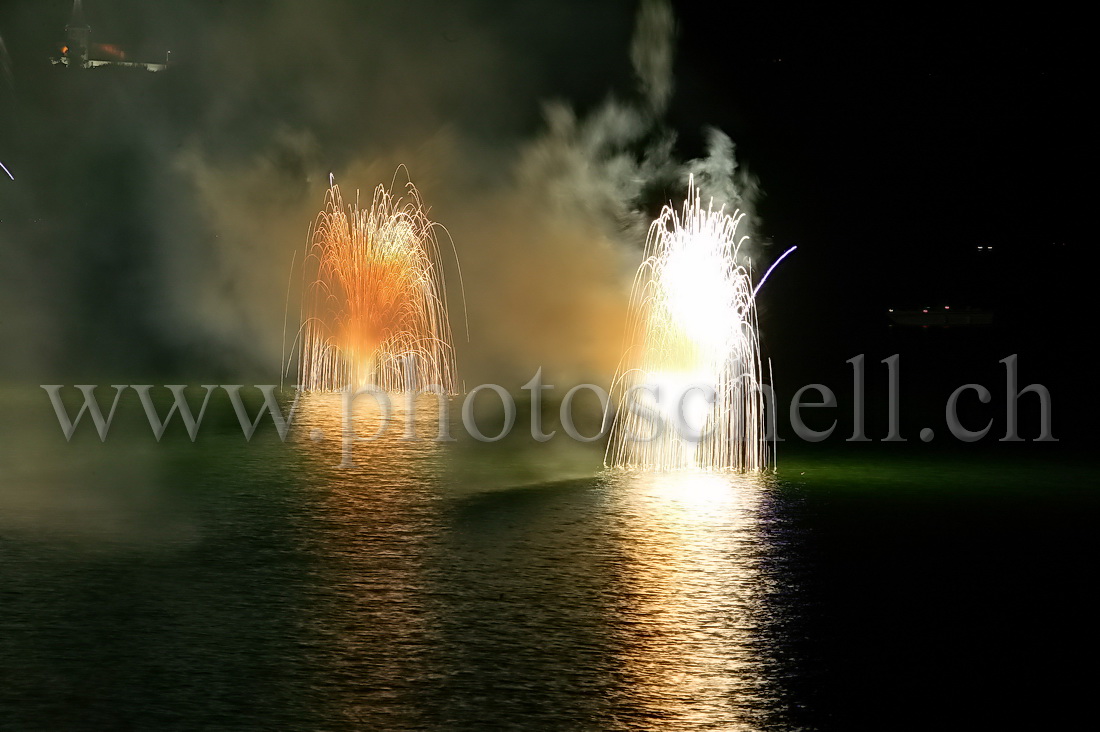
375	310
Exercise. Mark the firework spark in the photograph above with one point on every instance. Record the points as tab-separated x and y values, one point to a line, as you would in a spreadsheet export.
770	270
689	393
375	310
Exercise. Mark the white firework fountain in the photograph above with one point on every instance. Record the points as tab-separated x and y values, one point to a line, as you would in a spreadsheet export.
690	389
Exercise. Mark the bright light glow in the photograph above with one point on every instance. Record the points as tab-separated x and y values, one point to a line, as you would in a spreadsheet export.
375	309
693	360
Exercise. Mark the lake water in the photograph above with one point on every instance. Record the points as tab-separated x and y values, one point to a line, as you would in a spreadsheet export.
226	585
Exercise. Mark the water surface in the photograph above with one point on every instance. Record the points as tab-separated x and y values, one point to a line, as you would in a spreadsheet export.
256	586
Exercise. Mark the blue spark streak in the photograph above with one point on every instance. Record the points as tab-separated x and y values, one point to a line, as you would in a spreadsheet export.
774	265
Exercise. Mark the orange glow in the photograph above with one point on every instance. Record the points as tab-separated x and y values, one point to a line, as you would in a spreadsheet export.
376	300
111	50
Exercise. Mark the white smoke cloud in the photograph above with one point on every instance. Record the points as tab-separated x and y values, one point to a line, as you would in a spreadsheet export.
723	180
652	51
611	163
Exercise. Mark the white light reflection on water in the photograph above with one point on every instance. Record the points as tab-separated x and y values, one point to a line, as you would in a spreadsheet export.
693	595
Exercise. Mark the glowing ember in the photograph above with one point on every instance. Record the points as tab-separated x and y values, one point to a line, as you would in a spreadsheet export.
692	336
375	311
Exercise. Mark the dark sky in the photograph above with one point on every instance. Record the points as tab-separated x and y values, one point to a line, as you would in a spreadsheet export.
927	131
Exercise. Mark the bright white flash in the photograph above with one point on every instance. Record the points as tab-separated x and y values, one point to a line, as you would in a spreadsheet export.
689	393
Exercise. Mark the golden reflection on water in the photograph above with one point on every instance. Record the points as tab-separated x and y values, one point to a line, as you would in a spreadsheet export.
650	588
693	592
364	442
374	510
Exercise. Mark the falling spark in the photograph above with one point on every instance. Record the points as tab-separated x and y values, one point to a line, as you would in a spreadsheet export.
375	312
689	393
6	170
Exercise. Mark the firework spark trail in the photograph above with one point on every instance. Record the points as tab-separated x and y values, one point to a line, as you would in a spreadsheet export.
375	311
771	269
693	328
